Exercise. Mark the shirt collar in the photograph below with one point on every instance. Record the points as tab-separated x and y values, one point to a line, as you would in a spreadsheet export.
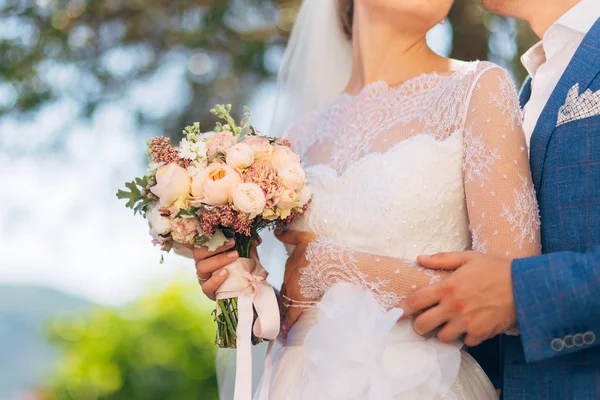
576	23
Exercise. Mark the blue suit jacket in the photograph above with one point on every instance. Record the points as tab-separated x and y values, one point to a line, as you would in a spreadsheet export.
557	295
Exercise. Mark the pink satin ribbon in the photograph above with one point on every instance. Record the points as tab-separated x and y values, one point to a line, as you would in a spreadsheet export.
259	296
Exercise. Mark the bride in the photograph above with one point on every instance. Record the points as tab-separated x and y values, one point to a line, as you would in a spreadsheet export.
407	153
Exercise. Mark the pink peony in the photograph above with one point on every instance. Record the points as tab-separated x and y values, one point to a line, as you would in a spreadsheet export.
249	199
220	141
214	184
292	176
240	156
283	157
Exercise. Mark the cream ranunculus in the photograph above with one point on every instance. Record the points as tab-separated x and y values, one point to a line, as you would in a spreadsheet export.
159	225
287	199
172	183
240	156
260	145
292	176
215	183
284	156
249	198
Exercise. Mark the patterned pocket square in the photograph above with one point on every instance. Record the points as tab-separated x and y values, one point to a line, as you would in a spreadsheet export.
579	106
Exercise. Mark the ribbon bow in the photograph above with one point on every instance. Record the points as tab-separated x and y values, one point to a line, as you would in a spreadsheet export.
259	296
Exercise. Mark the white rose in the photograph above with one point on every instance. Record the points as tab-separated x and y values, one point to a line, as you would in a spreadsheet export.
283	156
172	183
240	156
249	198
292	176
159	225
287	199
304	196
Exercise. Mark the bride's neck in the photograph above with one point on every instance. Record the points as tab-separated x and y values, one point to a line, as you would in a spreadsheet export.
383	53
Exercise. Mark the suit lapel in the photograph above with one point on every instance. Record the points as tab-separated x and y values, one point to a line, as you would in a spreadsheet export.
584	67
525	94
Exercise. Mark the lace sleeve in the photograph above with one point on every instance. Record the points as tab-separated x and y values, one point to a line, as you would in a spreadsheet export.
501	201
389	279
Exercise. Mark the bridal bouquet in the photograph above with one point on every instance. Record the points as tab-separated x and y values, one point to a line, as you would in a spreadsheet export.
228	183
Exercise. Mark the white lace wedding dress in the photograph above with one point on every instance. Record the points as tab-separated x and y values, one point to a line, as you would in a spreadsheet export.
437	164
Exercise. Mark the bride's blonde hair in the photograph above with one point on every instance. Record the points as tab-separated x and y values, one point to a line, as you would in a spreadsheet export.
346	12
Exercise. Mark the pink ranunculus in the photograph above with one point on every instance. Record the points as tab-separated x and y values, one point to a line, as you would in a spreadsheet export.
220	141
184	230
260	145
215	183
172	183
249	198
240	156
284	156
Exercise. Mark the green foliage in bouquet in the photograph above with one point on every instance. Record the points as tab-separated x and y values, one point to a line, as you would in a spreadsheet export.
158	348
137	196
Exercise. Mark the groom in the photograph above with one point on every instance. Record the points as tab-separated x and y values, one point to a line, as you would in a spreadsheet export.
554	298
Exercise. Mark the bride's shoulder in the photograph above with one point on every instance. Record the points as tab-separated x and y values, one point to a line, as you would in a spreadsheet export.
486	73
485	80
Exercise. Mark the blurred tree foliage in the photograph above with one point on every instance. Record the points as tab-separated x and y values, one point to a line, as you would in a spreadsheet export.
113	45
161	347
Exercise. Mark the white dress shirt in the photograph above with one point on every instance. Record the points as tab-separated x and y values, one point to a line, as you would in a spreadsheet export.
547	61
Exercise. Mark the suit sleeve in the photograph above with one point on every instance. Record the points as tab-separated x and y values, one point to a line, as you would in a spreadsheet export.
557	298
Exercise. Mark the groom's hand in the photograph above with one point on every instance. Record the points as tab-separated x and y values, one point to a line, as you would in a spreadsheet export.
476	301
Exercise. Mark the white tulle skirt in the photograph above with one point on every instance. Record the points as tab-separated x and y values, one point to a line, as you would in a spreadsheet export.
350	348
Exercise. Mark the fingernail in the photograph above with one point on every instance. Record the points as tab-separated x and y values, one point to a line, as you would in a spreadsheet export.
232	254
284	327
230	242
223	272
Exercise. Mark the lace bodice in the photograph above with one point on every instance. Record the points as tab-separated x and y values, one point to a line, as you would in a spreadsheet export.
437	164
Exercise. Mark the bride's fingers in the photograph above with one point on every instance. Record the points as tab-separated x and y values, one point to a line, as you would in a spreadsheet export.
201	253
213	283
431	320
290	237
450	332
212	264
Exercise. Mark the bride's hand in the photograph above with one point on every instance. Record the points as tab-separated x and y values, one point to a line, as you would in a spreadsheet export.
209	262
293	300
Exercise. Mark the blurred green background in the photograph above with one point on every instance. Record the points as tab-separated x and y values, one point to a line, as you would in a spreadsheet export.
86	311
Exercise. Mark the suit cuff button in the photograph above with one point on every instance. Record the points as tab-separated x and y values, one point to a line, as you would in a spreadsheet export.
578	340
569	342
589	338
557	345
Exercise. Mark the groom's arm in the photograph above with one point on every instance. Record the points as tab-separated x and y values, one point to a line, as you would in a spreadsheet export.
557	298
